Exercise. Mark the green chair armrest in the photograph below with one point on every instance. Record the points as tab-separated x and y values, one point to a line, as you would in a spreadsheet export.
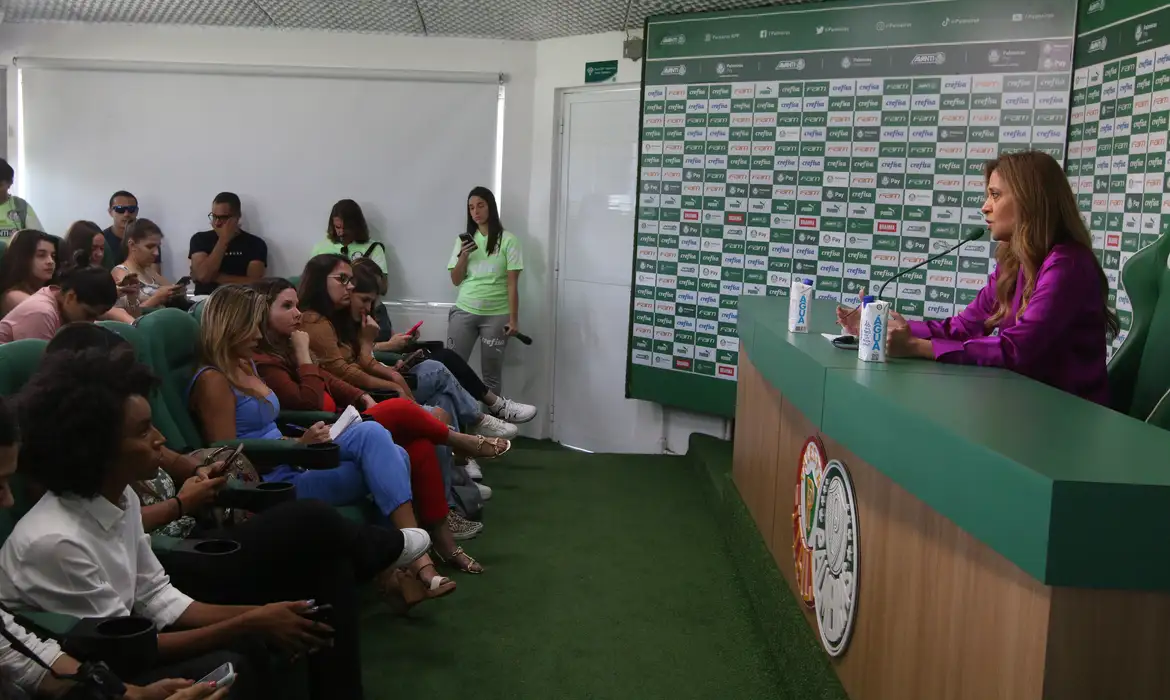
268	454
48	624
305	418
387	358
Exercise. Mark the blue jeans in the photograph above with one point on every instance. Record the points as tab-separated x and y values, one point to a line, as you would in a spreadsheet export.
371	464
438	387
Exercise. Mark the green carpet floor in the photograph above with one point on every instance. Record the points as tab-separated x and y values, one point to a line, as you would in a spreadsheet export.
608	577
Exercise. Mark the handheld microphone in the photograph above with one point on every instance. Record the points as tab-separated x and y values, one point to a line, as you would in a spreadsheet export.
971	236
523	338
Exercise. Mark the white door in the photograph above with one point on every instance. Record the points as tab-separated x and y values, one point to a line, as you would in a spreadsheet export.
596	208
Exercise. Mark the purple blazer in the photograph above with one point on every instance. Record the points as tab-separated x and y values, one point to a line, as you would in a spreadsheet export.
1060	338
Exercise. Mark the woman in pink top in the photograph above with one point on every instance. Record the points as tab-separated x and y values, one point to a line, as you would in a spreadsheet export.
84	294
27	265
1044	312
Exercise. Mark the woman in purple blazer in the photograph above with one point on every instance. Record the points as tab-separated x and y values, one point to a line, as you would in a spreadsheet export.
1044	312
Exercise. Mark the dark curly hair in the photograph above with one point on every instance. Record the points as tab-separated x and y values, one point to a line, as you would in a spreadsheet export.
71	413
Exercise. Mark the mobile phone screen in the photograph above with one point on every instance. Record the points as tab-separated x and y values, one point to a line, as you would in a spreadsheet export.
222	676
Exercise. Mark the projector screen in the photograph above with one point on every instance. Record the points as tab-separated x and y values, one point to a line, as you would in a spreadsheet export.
290	146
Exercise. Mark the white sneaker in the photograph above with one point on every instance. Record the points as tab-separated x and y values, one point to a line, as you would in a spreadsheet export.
485	492
512	411
490	426
416	542
473	470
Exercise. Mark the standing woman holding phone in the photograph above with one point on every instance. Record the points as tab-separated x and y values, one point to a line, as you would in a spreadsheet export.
486	266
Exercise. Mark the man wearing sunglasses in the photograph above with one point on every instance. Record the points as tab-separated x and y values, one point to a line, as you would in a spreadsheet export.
226	254
123	211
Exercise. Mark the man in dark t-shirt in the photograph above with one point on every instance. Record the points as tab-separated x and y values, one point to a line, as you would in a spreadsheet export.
226	254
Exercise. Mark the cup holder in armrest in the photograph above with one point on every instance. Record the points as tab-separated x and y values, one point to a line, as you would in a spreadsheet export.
325	455
255	497
129	645
203	548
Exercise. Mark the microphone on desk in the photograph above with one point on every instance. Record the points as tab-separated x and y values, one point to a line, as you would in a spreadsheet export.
971	236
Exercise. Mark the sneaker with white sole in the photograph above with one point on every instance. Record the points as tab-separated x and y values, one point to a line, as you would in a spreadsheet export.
473	470
415	543
512	411
490	426
461	527
485	492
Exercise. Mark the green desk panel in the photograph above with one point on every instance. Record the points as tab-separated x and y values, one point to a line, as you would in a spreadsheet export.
795	363
1072	492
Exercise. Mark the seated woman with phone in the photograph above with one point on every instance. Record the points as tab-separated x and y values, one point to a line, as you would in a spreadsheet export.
140	245
341	338
368	275
286	365
231	401
83	247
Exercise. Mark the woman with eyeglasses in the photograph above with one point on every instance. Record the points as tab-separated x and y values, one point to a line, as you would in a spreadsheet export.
140	244
28	265
347	235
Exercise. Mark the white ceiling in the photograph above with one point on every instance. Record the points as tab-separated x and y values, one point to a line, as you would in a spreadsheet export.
529	20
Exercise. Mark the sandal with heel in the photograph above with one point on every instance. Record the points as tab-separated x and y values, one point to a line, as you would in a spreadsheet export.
453	559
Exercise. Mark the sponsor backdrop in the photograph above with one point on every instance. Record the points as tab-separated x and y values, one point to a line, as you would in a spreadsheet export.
1118	130
836	142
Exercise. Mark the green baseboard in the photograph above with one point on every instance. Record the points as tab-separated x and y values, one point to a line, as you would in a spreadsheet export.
791	643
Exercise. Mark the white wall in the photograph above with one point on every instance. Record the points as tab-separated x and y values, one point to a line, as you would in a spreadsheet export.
560	65
537	73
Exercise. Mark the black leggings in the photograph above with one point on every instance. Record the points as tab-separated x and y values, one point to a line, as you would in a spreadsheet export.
464	374
299	550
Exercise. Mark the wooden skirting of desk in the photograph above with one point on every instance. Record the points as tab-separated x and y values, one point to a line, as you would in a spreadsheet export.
940	615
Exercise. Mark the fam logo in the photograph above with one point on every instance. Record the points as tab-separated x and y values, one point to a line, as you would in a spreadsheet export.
1096	6
835	543
679	70
791	64
929	59
1098	44
673	40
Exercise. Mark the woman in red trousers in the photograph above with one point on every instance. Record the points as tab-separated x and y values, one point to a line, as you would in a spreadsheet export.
285	365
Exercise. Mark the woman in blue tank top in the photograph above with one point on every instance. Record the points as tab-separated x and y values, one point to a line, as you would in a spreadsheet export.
232	402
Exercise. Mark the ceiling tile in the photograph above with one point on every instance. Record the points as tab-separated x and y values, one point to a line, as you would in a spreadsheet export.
526	20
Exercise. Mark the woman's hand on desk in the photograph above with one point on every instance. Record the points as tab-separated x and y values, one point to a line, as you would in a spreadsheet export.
900	343
849	320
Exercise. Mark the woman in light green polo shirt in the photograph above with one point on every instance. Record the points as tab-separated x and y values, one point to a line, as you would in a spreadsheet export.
348	235
485	265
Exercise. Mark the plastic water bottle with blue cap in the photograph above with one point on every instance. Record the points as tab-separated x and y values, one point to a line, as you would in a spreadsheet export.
800	305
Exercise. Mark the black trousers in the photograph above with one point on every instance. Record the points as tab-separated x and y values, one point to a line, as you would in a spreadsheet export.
464	374
301	550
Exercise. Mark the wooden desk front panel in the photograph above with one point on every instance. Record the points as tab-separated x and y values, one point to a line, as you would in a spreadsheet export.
940	616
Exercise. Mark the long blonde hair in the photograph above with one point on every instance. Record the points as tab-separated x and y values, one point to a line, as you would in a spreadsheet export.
230	316
1046	214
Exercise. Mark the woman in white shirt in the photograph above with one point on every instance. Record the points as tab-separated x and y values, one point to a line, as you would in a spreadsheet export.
25	673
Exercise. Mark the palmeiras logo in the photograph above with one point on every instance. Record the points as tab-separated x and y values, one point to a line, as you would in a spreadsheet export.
836	558
993	56
808	479
845	63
